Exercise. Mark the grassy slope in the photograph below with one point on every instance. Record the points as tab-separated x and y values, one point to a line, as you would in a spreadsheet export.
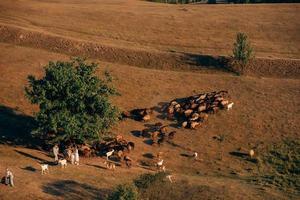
265	111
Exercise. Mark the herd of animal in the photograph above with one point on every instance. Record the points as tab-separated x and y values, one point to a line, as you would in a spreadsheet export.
192	111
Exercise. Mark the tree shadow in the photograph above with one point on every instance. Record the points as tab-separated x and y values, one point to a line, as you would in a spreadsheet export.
29	168
69	189
35	158
207	61
16	127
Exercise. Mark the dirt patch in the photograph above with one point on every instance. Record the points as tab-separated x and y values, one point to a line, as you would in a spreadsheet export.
287	68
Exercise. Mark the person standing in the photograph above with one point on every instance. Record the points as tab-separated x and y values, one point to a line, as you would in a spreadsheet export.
9	178
55	152
76	156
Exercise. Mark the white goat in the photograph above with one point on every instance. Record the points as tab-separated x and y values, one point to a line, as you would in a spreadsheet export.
63	163
44	168
110	153
229	106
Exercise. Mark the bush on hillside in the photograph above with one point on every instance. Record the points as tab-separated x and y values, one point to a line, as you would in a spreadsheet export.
124	192
73	102
242	53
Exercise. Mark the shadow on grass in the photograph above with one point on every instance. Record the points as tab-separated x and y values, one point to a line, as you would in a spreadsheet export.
69	189
97	166
207	61
40	160
15	128
29	168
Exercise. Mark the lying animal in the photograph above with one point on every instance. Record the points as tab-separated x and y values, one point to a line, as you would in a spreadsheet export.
44	168
110	165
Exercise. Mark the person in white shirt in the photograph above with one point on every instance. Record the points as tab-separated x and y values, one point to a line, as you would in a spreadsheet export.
76	156
55	152
9	178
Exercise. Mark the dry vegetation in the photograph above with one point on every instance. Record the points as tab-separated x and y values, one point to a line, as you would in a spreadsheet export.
265	111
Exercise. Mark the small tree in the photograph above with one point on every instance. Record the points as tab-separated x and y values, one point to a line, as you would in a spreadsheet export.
124	192
74	103
242	50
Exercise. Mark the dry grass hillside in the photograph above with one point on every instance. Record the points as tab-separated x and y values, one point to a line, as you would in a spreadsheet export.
266	109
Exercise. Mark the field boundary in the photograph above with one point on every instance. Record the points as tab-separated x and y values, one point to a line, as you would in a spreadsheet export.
280	68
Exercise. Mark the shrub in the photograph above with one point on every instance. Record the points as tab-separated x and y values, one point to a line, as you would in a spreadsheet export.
146	180
124	192
242	50
74	103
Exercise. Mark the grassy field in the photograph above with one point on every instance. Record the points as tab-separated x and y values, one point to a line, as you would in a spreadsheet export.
266	110
204	29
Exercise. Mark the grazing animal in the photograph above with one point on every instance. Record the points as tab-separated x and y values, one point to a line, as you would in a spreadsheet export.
251	153
147	117
120	153
184	124
229	106
130	145
159	164
194	125
110	165
163	130
201	108
128	161
159	155
170	110
158	124
169	177
171	135
63	163
161	140
110	153
188	112
45	168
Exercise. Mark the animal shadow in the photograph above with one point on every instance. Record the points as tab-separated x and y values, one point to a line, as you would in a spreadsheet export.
149	142
136	133
96	166
29	168
148	155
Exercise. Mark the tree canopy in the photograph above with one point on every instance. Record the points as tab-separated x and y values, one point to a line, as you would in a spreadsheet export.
74	103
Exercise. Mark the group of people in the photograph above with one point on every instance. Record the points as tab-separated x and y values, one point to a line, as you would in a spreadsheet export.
71	154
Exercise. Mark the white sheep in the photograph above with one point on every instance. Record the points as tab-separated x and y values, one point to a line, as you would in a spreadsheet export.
45	168
110	153
63	163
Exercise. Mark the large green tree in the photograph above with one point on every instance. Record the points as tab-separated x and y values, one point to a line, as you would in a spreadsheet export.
74	103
